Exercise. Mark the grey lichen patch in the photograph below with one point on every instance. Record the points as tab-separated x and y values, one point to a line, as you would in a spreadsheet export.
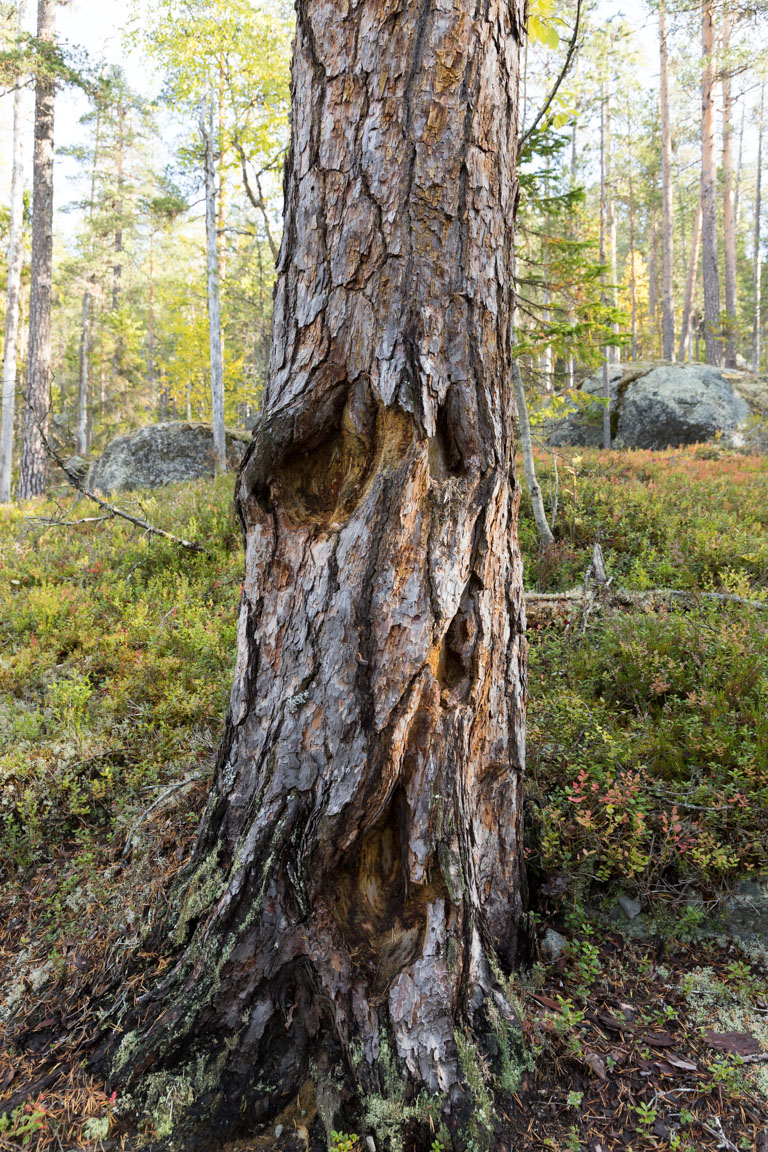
204	887
129	1046
478	1079
387	1114
167	1096
725	1007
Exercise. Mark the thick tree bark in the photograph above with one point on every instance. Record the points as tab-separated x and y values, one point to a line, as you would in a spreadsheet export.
32	468
667	253
207	131
729	210
358	874
684	351
709	190
13	291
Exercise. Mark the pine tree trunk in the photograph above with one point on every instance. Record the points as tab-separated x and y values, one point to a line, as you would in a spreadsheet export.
13	292
359	874
37	397
758	265
709	191
667	253
207	130
729	213
684	351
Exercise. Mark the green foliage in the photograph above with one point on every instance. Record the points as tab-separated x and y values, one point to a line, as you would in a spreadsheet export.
648	735
115	670
343	1142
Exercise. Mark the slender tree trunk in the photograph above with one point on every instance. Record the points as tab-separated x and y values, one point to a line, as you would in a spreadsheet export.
653	265
151	323
709	190
603	226
358	874
32	469
84	374
13	293
207	129
739	167
544	532
667	250
690	287
611	225
758	266
632	271
729	215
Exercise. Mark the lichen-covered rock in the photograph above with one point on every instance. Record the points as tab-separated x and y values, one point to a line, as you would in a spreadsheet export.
678	404
746	911
654	406
161	454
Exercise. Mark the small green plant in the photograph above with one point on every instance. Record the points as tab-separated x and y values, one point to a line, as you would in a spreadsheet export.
575	1099
343	1142
646	1115
24	1122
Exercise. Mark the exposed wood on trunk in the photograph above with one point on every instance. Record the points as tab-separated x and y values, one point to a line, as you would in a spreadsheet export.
684	352
729	213
359	869
709	190
37	396
13	291
667	248
208	134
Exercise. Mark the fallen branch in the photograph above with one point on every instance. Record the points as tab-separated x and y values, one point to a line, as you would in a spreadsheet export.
158	803
560	607
112	510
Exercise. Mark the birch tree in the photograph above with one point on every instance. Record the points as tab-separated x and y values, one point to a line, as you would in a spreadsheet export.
709	188
37	396
13	292
667	250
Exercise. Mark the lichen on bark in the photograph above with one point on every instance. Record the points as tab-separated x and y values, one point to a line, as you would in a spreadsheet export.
360	853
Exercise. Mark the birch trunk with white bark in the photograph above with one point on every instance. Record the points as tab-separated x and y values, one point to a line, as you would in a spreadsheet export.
667	251
712	332
13	292
729	209
37	396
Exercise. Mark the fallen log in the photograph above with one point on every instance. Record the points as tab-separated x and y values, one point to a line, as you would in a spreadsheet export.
561	608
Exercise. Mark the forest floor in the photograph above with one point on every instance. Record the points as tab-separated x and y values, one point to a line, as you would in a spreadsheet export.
644	1000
